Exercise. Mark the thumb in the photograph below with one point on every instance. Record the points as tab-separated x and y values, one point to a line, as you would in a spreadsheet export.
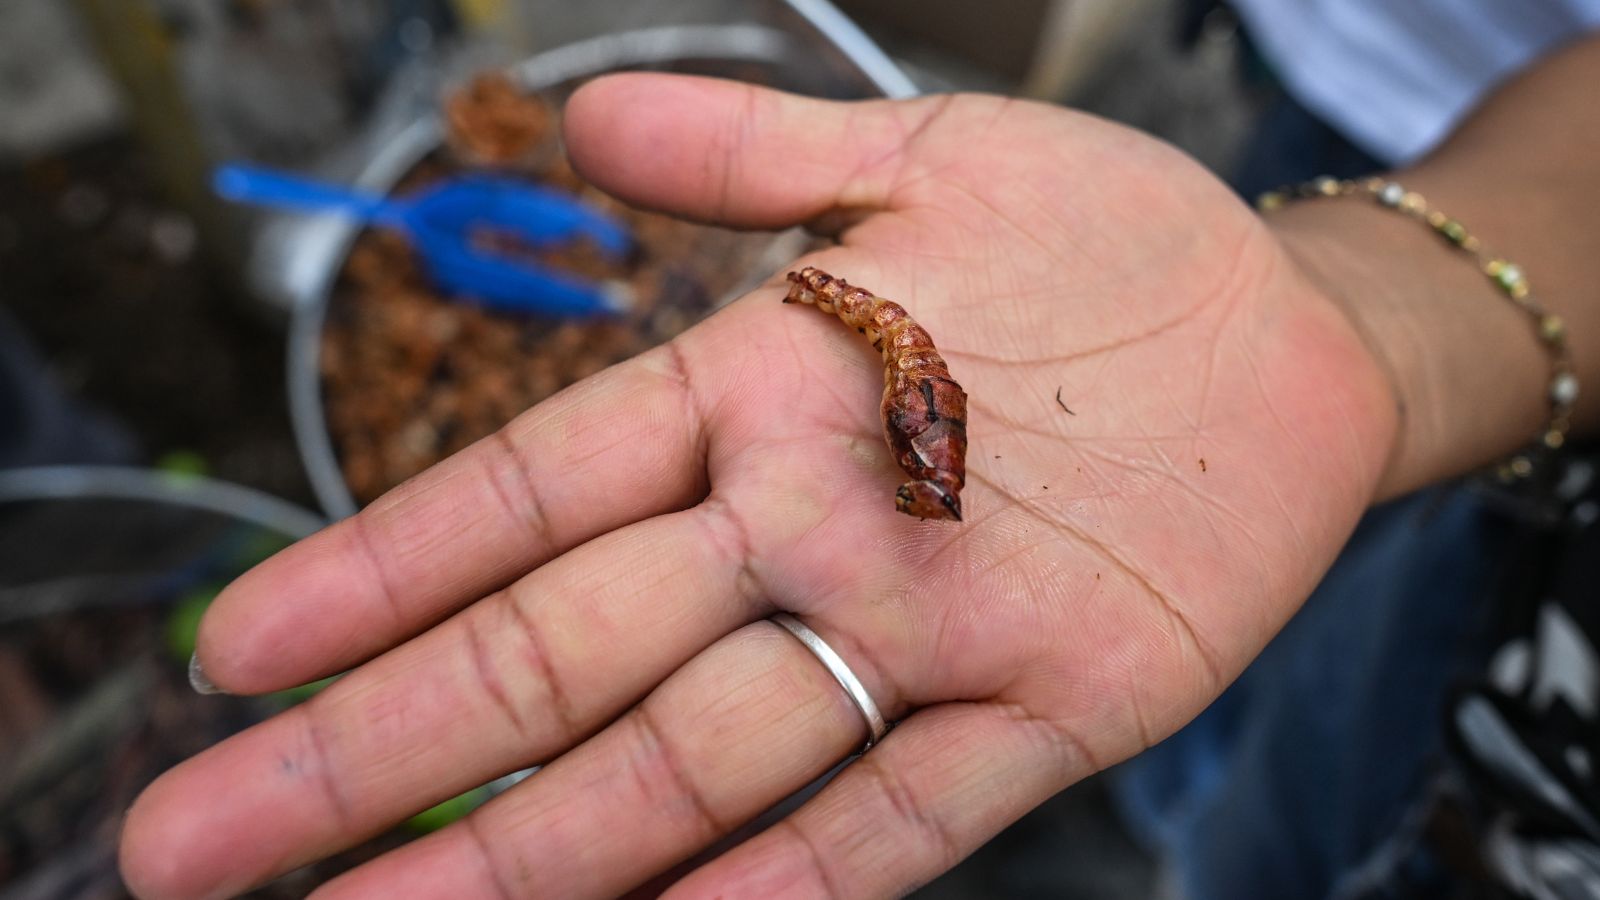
736	154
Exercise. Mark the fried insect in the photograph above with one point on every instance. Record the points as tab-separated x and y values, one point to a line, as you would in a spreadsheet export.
493	122
924	410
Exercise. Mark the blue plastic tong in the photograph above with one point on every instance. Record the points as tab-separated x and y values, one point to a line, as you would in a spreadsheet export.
438	220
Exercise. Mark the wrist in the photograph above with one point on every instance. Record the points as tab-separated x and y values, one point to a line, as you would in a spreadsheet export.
1467	378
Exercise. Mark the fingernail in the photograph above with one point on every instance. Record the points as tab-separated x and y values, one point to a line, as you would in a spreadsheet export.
198	679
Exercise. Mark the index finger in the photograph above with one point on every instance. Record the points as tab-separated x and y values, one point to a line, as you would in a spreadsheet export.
619	447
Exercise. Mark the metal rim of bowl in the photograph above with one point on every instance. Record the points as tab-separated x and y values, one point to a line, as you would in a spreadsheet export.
102	482
398	155
77	590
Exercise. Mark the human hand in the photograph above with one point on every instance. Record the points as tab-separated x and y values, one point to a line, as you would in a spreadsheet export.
587	589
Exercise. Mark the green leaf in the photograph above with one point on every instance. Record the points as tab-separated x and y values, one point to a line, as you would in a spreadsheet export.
449	811
183	622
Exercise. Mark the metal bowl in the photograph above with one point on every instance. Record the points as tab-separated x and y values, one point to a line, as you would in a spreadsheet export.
836	61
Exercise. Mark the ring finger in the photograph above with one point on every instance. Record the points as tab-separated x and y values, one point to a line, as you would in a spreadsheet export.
740	727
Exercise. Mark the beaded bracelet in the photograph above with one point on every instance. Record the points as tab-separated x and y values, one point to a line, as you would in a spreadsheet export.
1506	276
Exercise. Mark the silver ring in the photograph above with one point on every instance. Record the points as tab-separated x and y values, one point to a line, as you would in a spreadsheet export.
876	726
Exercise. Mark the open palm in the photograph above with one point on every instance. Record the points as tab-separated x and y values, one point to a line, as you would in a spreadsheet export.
587	589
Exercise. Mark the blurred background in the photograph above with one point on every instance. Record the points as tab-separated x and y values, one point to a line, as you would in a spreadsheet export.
187	385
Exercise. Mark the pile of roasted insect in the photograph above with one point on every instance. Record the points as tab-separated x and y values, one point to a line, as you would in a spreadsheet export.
411	376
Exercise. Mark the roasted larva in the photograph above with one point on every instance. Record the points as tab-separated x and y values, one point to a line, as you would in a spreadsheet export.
924	410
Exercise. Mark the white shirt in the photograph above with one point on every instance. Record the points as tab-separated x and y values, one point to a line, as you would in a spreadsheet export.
1396	76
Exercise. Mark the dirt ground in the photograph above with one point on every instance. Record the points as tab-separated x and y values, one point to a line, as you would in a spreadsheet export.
110	284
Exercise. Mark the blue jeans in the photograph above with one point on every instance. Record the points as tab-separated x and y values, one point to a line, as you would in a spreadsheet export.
1298	780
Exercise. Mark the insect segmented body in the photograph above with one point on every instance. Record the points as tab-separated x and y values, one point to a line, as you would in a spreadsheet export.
924	410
